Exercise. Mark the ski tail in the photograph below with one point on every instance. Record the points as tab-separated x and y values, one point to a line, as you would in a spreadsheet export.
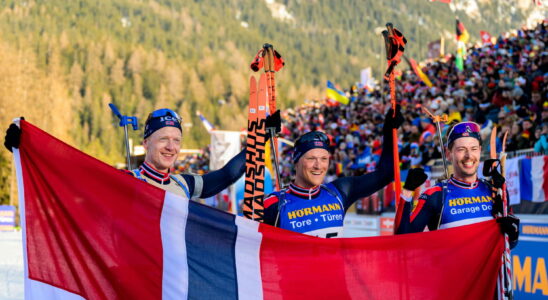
260	133
255	151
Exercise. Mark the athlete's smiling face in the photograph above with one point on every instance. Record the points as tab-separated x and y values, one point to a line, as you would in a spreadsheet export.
162	148
465	157
311	168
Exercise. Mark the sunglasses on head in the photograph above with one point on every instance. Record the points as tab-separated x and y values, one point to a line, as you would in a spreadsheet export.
164	112
464	129
469	127
313	136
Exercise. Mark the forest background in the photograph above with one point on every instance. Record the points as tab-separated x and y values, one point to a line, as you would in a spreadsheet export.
62	62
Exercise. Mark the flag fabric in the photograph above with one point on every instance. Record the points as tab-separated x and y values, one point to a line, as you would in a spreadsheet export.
435	49
419	72
334	94
462	33
207	125
366	78
485	37
512	180
533	179
462	39
93	232
459	61
223	146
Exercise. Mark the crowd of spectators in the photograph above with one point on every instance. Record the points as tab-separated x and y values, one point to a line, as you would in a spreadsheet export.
503	84
194	163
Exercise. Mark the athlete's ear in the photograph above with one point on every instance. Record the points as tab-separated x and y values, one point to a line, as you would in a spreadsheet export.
448	154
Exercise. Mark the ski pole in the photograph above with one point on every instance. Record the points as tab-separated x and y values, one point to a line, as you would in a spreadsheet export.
124	121
505	275
271	61
437	120
272	134
394	43
269	70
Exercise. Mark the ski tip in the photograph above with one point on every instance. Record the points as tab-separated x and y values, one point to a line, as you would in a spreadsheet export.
493	143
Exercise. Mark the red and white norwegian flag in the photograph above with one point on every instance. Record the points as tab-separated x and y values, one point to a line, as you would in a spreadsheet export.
92	232
485	37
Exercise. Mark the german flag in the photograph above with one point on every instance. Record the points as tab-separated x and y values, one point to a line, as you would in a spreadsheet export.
462	33
462	38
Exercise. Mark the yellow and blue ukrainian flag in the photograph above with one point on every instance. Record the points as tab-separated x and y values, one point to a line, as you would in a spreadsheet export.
335	94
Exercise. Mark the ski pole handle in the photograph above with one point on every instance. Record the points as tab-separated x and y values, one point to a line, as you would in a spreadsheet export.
124	120
132	121
115	111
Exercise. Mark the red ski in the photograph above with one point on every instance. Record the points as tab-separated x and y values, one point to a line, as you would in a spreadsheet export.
255	151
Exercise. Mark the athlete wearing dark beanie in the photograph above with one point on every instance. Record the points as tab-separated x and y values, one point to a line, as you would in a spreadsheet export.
309	141
161	118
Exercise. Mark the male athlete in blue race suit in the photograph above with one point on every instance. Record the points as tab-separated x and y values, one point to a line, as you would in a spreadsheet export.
465	203
311	207
461	200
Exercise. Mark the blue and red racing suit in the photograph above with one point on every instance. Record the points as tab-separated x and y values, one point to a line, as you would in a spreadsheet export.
318	211
460	203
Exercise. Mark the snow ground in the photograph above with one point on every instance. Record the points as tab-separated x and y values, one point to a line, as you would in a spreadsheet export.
11	266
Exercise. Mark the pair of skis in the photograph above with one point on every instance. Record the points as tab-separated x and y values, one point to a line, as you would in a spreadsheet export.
255	150
259	97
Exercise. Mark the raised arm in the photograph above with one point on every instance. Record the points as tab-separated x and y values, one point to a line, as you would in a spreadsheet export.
214	182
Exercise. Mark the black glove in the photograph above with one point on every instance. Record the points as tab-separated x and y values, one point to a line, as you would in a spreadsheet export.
490	169
391	121
13	137
415	178
497	209
510	226
274	121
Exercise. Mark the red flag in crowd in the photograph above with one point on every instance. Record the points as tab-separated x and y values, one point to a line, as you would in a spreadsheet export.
485	37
